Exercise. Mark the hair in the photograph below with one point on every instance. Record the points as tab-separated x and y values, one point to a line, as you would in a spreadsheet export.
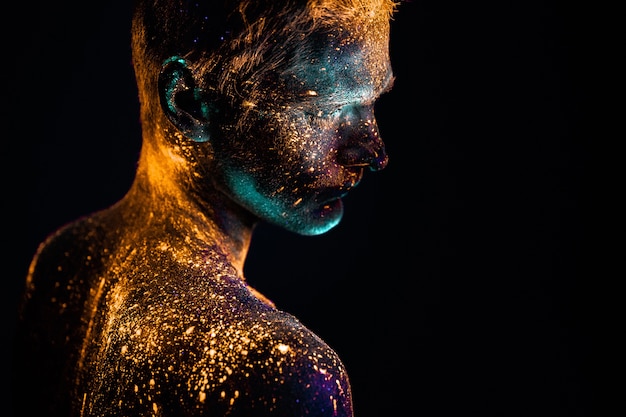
233	42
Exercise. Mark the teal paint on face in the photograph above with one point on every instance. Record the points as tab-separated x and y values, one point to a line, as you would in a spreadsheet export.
339	77
277	209
310	135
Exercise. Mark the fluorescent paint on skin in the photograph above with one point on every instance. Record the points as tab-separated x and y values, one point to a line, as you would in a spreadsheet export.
275	206
143	309
172	87
314	134
223	355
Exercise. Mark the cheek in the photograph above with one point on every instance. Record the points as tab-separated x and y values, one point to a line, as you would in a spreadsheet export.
280	157
300	145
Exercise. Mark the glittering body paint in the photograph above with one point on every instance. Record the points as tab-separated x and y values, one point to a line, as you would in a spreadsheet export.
142	308
162	332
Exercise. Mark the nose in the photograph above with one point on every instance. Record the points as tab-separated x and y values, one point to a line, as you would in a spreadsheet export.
361	144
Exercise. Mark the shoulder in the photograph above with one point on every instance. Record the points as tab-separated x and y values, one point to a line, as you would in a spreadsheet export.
62	265
73	246
238	357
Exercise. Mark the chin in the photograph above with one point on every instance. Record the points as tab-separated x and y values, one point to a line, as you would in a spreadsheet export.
319	220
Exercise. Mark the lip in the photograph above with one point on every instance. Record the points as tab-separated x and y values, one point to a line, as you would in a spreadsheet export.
329	206
330	195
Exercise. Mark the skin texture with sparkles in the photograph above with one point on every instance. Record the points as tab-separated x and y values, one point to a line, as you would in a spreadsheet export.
260	111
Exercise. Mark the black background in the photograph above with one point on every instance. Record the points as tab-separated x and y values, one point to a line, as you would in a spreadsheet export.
460	281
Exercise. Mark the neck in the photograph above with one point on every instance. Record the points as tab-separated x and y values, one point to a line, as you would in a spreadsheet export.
190	225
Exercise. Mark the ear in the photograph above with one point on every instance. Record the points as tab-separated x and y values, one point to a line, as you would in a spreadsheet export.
181	100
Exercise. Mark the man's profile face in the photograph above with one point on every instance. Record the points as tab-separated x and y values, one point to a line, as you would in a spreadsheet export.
311	133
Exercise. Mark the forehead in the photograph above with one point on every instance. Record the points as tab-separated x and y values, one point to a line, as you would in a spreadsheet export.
340	67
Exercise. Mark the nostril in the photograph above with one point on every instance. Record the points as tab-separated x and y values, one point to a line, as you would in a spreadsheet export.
371	154
380	161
